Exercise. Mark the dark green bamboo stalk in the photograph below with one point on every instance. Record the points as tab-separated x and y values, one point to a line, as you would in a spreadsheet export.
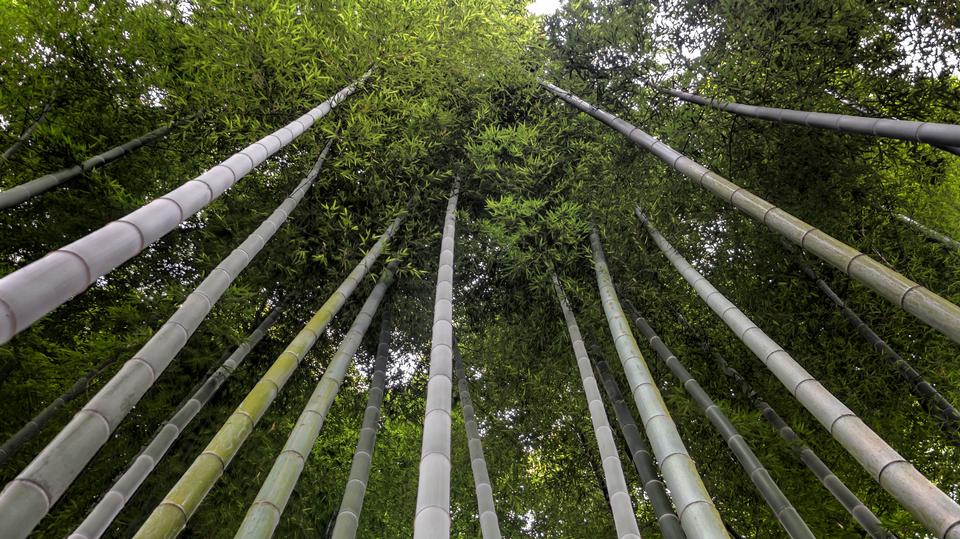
25	135
759	476
640	454
928	232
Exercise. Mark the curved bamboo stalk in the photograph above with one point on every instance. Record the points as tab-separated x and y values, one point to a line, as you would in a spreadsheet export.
788	516
928	232
486	510
931	399
17	144
915	299
20	193
35	425
348	517
928	132
28	294
263	516
26	499
698	515
624	518
929	505
642	460
170	517
100	518
432	519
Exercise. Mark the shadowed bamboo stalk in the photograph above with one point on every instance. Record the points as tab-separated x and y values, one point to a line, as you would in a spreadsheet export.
170	517
929	132
264	514
20	193
113	501
28	294
621	506
26	499
432	519
489	524
931	399
915	299
642	459
698	515
348	517
929	505
25	135
928	232
758	474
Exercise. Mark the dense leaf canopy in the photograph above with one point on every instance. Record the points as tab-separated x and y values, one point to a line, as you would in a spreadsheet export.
455	93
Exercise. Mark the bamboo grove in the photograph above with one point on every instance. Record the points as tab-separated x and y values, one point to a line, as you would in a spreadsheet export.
401	268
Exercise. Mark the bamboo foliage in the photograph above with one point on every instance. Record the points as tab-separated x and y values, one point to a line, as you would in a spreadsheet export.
486	511
26	499
642	460
20	193
624	518
933	508
912	297
170	517
28	294
698	515
432	520
113	501
348	517
782	509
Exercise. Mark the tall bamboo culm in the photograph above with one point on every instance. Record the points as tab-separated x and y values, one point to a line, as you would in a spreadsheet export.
28	294
170	517
782	509
264	515
113	501
915	299
432	520
624	518
486	510
927	231
20	193
642	459
698	515
26	499
929	505
931	399
348	517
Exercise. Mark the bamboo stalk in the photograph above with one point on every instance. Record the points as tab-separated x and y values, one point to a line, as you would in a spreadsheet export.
486	510
915	299
432	520
928	232
29	293
642	459
782	509
103	514
624	518
348	517
26	499
170	517
929	505
25	135
698	514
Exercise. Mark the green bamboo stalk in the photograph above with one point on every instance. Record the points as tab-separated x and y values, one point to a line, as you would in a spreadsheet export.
910	296
698	515
100	518
928	232
170	517
782	509
25	135
624	518
29	293
642	459
432	519
20	193
264	515
486	511
348	517
931	506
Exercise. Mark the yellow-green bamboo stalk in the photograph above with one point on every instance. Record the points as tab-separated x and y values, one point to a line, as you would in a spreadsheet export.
264	515
171	516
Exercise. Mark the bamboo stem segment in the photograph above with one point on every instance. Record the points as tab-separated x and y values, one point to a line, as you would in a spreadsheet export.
928	232
915	299
929	505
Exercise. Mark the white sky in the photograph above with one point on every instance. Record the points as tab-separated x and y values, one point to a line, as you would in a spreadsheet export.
543	7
